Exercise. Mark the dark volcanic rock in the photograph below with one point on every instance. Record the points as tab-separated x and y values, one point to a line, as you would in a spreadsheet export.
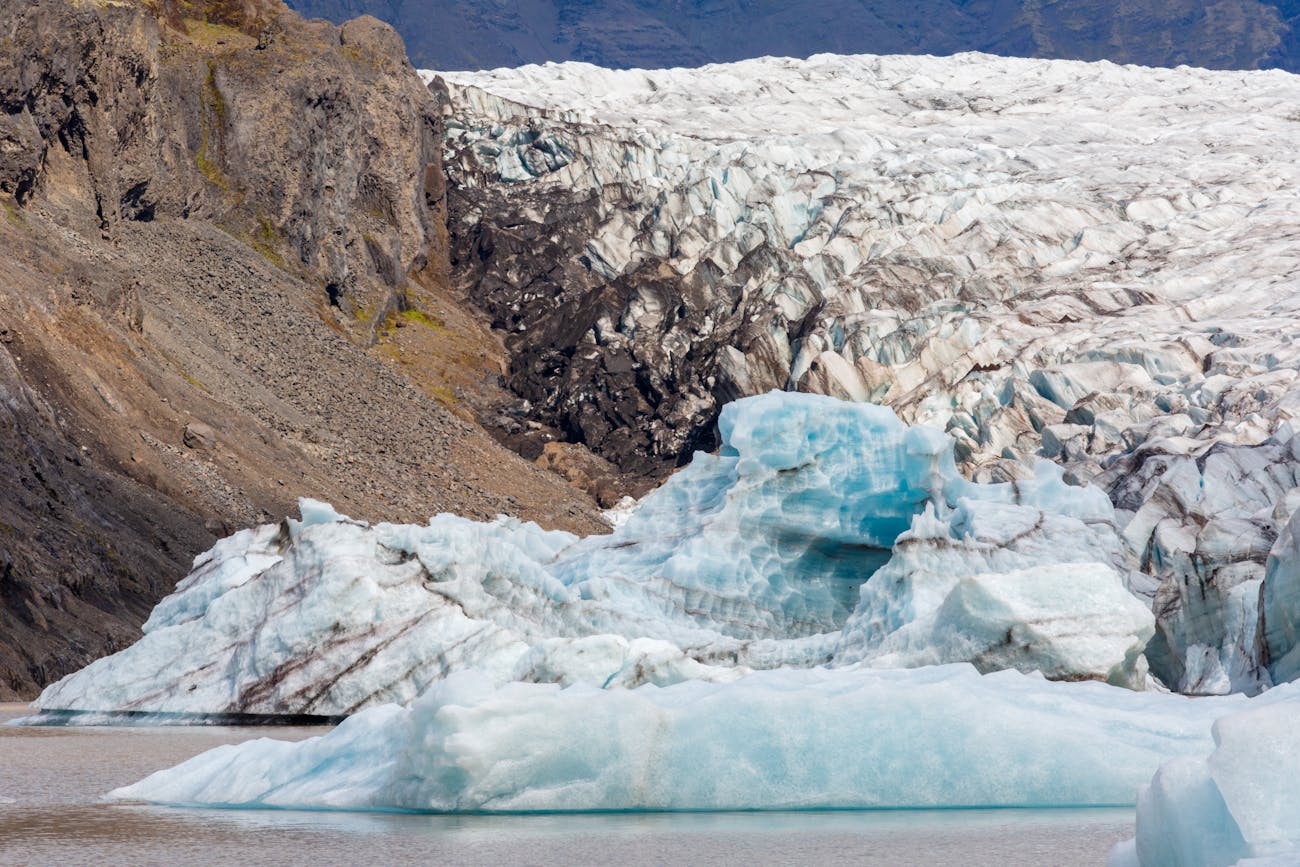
84	551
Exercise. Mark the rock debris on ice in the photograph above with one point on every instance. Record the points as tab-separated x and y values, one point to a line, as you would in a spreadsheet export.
1094	263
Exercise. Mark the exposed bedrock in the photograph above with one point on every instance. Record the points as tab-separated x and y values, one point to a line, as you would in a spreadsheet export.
185	187
1023	253
109	105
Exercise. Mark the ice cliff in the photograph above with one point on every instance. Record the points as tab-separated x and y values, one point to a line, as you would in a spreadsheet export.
1237	805
936	737
823	533
1087	262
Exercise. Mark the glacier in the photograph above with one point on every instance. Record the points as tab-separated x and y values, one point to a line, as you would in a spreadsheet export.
1237	805
823	533
943	736
1093	263
1072	289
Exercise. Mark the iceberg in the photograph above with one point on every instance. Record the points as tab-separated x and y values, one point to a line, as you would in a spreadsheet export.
1065	621
1038	583
943	736
823	532
1238	805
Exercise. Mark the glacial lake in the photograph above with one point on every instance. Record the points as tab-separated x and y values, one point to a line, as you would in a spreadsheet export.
52	779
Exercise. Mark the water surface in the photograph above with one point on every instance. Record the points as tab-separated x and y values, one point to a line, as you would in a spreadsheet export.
52	779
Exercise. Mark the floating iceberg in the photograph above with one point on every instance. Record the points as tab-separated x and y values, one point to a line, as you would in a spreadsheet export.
823	532
943	736
1239	805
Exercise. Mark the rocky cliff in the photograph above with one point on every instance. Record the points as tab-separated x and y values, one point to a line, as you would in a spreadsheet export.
222	286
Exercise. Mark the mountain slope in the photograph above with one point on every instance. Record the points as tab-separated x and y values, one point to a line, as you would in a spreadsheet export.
466	34
208	239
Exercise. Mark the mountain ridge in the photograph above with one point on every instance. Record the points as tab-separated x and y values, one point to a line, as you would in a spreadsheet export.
461	34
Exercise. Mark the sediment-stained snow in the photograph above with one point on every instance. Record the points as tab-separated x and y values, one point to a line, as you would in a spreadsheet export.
1094	263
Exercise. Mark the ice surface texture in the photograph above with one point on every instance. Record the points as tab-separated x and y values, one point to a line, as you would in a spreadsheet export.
1240	804
943	736
749	559
1280	604
1080	260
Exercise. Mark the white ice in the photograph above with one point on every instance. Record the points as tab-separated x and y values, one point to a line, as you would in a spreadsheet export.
1083	261
1238	805
936	737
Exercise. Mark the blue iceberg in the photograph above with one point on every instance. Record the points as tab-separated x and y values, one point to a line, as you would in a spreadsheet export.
1240	804
943	736
823	533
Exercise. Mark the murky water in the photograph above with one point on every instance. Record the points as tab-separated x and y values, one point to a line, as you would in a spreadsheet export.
51	780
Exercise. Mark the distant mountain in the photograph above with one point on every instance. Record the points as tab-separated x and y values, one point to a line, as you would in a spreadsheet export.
482	34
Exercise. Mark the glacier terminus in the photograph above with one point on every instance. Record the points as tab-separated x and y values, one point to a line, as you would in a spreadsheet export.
978	381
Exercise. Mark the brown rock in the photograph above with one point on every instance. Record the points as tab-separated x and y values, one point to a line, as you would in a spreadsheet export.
241	189
585	470
199	436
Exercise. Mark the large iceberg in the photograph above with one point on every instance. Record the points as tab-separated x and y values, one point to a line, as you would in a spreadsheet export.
1238	805
1034	584
942	736
822	533
1065	621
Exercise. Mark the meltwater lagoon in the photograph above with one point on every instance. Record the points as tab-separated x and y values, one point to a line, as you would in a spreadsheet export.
52	812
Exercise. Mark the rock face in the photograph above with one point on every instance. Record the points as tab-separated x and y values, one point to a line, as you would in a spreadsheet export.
202	224
471	34
1019	252
156	131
